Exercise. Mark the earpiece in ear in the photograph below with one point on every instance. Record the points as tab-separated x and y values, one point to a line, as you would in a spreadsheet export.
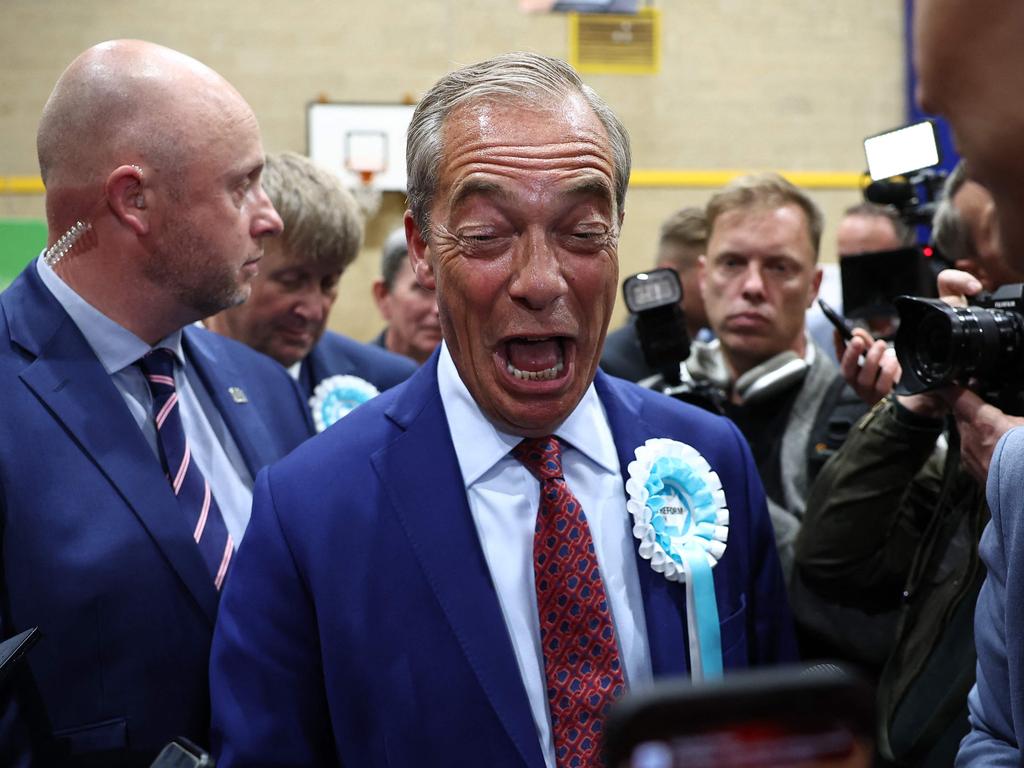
140	201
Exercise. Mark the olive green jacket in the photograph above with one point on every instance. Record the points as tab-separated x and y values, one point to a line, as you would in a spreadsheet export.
879	537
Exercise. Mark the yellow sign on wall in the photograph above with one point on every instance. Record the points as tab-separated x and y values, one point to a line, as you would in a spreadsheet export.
606	43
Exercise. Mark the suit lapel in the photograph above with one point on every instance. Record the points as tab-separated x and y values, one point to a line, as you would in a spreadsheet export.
440	529
664	602
222	378
306	374
70	382
312	371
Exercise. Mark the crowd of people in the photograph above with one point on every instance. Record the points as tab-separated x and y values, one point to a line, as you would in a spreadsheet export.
498	532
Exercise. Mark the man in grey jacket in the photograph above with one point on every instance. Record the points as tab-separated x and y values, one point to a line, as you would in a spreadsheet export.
759	276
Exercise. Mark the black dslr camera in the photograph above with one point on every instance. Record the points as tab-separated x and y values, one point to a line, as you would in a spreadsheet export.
980	346
654	298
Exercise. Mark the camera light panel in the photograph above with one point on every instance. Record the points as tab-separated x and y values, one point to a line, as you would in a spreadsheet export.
902	151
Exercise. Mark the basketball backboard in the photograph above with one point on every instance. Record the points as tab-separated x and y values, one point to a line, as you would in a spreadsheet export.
358	139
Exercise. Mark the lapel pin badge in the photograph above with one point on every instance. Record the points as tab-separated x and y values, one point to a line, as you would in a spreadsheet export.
238	394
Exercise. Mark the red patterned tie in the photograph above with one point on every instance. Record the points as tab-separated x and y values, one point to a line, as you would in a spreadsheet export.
581	656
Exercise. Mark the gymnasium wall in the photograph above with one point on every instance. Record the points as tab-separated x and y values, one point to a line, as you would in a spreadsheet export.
743	85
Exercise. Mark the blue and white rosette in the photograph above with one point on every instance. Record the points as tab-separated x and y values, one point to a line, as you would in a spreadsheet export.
338	395
681	520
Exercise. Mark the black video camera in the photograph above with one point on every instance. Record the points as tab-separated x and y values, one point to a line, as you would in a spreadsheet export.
980	346
901	163
872	281
655	300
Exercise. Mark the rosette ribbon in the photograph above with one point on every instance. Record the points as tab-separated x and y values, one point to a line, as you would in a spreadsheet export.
681	521
337	396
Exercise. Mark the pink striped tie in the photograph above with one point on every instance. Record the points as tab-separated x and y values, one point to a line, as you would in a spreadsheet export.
190	487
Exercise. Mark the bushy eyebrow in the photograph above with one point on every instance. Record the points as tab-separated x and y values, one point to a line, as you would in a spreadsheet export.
771	257
586	187
473	187
591	187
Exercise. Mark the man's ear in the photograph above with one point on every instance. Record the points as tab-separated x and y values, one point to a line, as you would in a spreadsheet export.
127	197
988	231
419	254
702	272
380	296
815	285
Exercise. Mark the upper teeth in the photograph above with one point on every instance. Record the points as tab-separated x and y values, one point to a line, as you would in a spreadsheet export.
547	373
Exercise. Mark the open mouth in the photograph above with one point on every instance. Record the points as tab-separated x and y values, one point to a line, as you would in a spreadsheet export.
535	359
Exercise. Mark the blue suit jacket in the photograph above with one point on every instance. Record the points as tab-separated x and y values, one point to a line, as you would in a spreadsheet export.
623	356
95	551
336	354
361	626
996	703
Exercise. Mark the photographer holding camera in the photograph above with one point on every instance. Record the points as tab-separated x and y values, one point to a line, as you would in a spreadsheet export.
970	67
681	241
893	520
865	228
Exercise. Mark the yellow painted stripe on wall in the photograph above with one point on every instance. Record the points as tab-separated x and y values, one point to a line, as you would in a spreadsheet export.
21	185
651	178
641	178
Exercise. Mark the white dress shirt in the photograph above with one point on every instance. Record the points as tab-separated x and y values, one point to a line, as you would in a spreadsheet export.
212	446
503	499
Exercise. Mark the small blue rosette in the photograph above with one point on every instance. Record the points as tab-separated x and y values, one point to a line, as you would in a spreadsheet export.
337	396
681	521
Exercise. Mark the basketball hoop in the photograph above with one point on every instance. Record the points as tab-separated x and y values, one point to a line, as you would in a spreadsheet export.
365	157
367	195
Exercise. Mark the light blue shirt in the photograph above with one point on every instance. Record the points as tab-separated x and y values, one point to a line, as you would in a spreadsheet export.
503	500
213	448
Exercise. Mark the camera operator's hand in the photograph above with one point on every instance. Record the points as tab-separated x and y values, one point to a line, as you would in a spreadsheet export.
981	425
872	377
955	286
871	369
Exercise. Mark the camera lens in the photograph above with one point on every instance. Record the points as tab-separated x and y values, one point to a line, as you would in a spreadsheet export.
933	348
944	345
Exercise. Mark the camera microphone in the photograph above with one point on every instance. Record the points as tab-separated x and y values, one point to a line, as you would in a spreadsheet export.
888	192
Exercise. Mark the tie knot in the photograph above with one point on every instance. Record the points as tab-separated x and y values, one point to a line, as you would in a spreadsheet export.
541	455
158	368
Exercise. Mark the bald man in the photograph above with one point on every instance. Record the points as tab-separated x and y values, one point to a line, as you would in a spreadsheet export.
130	439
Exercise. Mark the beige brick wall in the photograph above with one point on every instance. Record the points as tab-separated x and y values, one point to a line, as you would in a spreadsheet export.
744	84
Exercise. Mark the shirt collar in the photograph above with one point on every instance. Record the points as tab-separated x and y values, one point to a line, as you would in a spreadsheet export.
114	345
479	445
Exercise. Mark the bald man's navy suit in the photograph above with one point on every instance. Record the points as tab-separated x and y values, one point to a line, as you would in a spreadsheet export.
95	551
362	628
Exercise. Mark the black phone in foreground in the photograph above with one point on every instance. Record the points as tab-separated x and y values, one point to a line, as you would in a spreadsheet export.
837	320
14	648
818	716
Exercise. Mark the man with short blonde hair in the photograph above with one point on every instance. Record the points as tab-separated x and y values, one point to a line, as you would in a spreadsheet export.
767	191
286	315
759	277
760	273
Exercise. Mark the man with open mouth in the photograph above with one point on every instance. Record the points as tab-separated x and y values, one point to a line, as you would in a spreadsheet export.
449	575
